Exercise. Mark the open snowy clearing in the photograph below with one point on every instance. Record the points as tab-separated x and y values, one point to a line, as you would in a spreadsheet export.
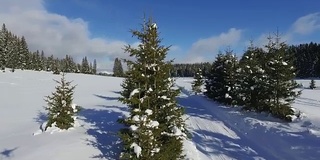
218	132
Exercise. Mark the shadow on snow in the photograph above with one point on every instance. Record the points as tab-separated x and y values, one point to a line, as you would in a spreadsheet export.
307	101
7	153
212	143
269	143
41	117
219	144
104	128
107	98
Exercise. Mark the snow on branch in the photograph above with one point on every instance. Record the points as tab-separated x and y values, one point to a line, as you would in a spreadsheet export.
135	91
136	149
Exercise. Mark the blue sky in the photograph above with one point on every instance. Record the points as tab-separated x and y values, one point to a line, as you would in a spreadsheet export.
196	29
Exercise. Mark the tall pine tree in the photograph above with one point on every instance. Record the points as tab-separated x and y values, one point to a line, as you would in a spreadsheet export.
4	43
94	68
253	87
24	55
12	57
56	68
155	123
117	68
280	80
85	68
43	60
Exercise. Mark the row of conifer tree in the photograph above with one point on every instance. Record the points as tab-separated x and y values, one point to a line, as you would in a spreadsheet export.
15	54
261	81
306	60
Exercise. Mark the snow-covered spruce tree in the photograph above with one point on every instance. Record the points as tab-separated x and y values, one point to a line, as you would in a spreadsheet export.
312	84
56	68
24	55
68	65
117	68
12	52
155	125
214	83
61	110
94	68
4	41
43	61
253	80
129	84
280	79
36	61
221	84
232	79
198	81
85	68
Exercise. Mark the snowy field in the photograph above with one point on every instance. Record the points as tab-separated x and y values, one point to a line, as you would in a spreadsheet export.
218	132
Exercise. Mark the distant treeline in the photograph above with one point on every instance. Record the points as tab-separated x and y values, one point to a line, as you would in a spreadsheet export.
306	61
189	70
15	54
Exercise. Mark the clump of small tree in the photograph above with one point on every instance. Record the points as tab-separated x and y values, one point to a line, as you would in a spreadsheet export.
262	82
221	82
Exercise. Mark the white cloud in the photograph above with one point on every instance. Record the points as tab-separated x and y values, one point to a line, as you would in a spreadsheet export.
211	46
302	27
57	34
307	24
175	48
13	5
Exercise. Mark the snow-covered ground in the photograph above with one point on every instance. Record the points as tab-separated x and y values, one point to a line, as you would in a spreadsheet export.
218	132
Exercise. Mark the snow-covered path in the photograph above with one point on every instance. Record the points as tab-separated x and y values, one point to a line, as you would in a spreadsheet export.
212	136
219	132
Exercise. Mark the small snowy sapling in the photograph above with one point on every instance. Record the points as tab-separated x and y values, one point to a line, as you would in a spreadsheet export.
61	110
198	82
312	84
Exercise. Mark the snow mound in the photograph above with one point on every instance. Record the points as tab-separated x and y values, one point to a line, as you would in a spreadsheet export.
298	115
54	129
314	132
